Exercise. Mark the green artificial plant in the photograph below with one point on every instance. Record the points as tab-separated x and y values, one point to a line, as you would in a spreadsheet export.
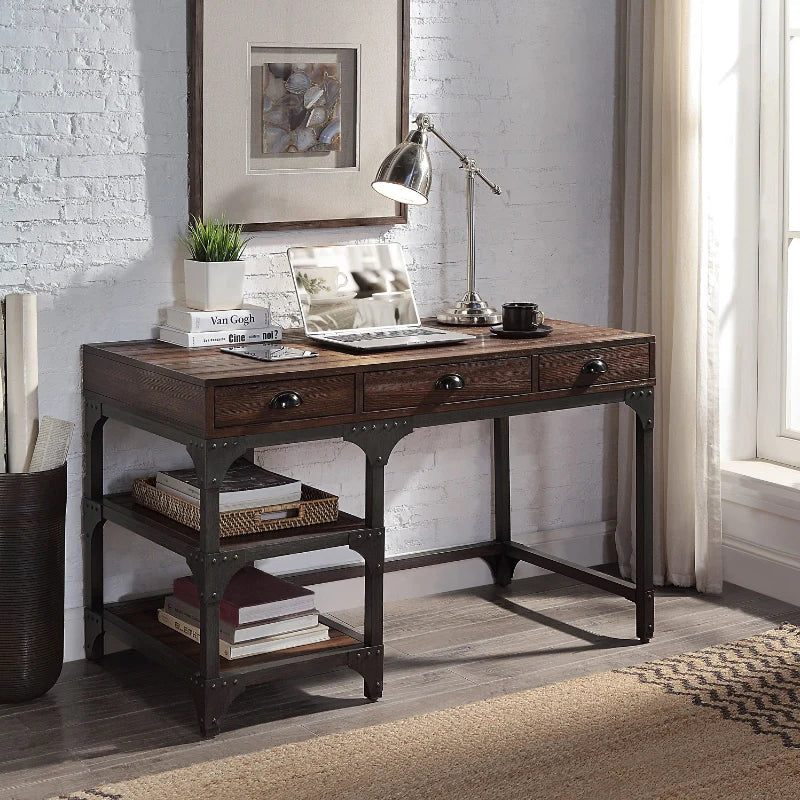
215	240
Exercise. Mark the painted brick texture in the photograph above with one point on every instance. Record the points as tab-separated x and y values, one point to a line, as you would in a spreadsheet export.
93	197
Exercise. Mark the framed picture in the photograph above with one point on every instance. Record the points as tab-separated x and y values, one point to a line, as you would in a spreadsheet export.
292	108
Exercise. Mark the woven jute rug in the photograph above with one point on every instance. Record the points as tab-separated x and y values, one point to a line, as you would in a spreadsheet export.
722	723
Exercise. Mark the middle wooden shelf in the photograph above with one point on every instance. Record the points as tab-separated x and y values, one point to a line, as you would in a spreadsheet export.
124	511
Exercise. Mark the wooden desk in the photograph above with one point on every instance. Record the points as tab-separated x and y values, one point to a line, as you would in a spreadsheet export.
221	406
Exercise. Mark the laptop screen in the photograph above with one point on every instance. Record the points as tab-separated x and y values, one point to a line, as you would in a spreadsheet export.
352	286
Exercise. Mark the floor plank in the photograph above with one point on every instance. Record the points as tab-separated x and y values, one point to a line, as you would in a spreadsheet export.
126	718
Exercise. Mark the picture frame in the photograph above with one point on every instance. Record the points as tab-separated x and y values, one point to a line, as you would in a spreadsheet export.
292	107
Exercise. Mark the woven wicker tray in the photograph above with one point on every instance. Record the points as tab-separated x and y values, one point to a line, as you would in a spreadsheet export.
314	508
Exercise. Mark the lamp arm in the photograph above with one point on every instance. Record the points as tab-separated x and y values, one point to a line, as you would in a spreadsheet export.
424	122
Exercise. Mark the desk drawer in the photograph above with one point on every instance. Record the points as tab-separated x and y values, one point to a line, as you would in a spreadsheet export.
446	383
591	367
276	401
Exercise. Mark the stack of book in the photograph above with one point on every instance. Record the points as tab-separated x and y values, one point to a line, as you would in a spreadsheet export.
259	613
246	485
189	328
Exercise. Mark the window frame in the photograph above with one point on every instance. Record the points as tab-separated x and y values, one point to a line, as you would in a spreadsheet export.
773	441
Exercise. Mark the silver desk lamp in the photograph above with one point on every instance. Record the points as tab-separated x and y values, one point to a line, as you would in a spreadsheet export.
405	176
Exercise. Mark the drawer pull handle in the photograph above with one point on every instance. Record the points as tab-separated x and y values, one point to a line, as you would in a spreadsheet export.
595	367
286	400
449	383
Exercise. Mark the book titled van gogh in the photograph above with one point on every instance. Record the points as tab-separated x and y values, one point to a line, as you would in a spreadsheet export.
190	321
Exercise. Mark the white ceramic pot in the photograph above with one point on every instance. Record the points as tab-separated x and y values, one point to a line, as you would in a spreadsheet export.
214	285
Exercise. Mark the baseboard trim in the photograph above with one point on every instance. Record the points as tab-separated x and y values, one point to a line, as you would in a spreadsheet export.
762	569
584	544
779	557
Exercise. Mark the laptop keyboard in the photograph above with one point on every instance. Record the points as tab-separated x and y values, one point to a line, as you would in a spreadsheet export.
392	334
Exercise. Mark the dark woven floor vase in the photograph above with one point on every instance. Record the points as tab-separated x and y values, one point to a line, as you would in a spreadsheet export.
32	510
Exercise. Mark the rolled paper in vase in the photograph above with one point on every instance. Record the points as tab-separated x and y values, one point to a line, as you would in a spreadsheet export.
22	379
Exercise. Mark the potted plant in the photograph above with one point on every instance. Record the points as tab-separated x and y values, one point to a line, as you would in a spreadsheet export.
214	274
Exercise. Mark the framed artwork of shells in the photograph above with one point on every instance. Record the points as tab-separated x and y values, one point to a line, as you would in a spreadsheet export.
304	108
292	108
300	108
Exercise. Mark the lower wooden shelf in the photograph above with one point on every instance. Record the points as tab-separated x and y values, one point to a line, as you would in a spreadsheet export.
136	623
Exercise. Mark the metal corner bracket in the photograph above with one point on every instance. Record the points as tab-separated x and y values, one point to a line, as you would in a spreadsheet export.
642	401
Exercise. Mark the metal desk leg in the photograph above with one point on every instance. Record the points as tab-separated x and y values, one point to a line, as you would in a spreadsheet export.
642	402
502	565
373	555
211	695
93	422
370	545
374	492
376	440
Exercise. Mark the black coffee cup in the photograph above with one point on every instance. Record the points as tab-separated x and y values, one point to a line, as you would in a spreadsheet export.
521	316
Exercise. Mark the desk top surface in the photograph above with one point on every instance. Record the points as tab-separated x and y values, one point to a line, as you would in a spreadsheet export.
208	366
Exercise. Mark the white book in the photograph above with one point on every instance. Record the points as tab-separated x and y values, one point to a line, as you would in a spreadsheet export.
22	379
243	633
219	338
52	444
245	485
256	647
191	321
231	505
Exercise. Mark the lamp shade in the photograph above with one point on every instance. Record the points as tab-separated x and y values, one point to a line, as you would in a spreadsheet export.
405	174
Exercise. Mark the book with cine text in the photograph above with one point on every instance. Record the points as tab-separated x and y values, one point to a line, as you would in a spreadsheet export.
190	321
256	647
251	596
243	633
219	338
246	485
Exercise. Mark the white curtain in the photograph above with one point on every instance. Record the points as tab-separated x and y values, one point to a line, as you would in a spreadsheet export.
669	289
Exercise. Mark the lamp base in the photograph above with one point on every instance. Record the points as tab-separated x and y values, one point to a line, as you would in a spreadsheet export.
470	310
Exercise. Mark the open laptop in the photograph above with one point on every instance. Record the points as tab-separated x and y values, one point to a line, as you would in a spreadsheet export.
359	297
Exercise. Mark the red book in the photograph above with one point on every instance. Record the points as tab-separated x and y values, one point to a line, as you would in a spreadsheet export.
252	596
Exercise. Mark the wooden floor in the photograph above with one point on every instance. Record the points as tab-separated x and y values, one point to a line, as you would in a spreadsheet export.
103	724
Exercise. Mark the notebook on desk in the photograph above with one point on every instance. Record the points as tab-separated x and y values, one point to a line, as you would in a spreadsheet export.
359	297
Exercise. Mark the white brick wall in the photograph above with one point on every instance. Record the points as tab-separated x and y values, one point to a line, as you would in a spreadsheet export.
93	196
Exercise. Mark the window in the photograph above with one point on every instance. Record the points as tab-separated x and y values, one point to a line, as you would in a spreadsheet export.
779	245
